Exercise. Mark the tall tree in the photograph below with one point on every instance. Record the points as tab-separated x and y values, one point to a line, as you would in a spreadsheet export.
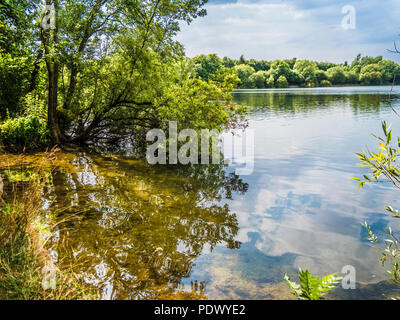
50	42
88	35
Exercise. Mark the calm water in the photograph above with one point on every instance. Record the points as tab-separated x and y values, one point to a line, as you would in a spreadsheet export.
142	232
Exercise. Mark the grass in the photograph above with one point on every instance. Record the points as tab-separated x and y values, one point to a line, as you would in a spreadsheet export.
25	263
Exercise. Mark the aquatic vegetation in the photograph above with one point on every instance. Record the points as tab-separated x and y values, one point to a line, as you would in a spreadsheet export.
24	257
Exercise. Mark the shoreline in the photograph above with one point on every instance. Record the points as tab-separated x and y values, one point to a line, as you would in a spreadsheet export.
314	88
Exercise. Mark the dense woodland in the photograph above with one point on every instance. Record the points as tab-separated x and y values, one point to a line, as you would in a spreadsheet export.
292	72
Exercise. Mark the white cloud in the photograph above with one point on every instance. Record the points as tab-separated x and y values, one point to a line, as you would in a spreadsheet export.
266	30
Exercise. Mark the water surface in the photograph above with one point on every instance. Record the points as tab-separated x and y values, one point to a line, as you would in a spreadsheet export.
140	232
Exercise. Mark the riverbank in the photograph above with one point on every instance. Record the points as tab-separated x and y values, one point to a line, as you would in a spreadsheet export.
27	270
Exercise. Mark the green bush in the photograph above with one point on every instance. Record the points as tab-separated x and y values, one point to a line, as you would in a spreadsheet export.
351	77
325	83
258	79
14	72
29	131
244	72
282	82
371	75
336	75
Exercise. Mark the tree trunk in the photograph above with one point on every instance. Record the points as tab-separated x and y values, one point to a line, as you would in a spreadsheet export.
35	72
52	118
51	47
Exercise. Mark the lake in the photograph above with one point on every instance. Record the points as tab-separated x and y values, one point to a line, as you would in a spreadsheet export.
140	232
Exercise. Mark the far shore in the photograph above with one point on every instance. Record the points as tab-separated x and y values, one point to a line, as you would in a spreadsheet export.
332	86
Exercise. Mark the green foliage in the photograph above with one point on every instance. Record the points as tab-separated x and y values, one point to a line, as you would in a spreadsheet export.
363	70
155	93
370	60
228	62
382	165
325	83
312	287
270	82
28	130
19	176
259	65
336	75
351	77
244	72
390	252
114	69
258	79
383	168
371	74
18	49
242	60
324	66
307	69
390	71
108	66
280	68
356	60
282	82
321	75
14	74
16	18
207	66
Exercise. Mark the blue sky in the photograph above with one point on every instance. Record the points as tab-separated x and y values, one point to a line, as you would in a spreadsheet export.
279	29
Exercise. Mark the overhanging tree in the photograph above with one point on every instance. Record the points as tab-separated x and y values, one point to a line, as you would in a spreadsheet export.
112	65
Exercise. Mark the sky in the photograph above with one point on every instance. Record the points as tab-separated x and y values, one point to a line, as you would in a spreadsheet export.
305	29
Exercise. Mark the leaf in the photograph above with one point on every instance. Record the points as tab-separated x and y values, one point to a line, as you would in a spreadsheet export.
311	287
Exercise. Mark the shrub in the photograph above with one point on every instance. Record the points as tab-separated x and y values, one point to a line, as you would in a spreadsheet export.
14	73
351	77
282	82
325	83
336	75
371	75
270	82
29	131
244	72
258	79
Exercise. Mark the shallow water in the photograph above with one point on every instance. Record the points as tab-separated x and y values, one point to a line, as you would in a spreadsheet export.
141	232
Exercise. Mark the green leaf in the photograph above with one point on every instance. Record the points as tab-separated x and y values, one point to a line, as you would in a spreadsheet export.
311	287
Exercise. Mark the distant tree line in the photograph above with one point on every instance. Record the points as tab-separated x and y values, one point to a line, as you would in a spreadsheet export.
303	73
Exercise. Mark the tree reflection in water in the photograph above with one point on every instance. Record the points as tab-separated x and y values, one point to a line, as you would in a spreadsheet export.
138	228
